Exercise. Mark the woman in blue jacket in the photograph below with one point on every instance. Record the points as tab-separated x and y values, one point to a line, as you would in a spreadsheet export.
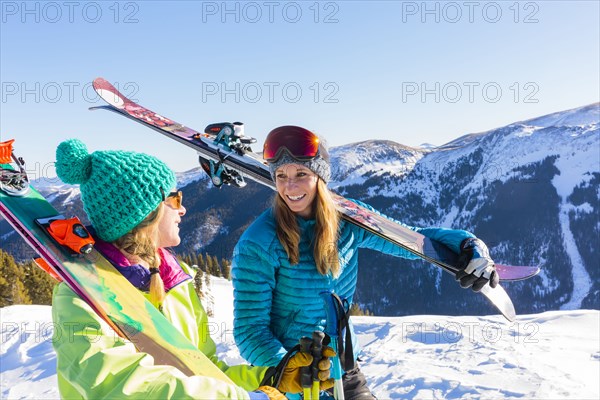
135	209
301	247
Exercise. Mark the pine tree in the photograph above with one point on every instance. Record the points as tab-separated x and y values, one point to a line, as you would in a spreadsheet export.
209	264
356	310
12	289
201	262
4	287
38	283
217	267
209	301
226	268
206	281
199	283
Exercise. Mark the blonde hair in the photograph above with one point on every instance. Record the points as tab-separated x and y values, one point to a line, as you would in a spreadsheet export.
327	221
141	242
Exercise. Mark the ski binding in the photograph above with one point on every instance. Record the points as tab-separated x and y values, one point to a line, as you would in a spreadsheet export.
13	182
231	135
220	174
69	233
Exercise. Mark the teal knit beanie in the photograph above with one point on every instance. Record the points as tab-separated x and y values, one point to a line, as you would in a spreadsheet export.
119	189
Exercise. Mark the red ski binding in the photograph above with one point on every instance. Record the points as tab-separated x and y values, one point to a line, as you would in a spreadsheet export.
69	233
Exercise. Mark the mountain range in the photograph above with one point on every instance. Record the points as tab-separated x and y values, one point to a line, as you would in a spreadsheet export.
530	190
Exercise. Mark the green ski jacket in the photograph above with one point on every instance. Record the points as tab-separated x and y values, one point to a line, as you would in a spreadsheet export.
93	362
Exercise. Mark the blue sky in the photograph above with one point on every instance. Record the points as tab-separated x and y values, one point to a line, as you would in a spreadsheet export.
412	72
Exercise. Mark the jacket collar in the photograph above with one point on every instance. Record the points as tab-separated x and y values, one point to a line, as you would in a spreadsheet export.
139	276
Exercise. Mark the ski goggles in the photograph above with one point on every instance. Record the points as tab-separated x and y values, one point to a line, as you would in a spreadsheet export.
300	143
173	199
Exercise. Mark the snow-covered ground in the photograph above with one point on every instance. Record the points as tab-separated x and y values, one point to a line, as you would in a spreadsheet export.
554	355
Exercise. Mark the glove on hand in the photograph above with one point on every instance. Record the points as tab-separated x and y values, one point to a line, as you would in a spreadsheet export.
271	392
290	380
477	267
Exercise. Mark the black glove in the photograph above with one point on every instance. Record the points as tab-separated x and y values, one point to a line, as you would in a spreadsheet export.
476	266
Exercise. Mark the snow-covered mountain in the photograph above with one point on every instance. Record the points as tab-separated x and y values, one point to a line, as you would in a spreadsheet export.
356	163
547	356
530	190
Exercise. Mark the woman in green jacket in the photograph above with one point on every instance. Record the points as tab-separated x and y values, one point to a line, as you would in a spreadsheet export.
131	201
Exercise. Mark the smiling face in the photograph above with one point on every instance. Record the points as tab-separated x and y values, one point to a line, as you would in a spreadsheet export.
297	186
168	226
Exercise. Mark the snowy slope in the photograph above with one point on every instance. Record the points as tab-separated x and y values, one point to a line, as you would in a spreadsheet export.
549	355
580	116
54	187
572	136
354	163
188	177
27	360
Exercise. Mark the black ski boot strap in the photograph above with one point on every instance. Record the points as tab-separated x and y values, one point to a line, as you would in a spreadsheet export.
274	374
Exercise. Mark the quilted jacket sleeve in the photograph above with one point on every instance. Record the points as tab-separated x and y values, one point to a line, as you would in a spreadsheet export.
253	275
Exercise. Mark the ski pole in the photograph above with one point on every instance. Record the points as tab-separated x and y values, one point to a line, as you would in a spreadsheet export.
317	348
331	328
305	373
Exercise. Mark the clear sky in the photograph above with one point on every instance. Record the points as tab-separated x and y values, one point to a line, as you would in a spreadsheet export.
409	71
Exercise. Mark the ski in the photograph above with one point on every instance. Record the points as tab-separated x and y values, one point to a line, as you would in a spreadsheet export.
225	154
513	273
67	253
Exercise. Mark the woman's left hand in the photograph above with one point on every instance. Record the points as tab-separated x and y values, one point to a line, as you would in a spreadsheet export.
477	267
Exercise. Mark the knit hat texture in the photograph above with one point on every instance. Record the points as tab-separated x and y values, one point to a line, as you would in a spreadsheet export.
318	165
119	189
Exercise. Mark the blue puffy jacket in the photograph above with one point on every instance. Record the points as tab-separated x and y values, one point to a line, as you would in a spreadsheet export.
276	303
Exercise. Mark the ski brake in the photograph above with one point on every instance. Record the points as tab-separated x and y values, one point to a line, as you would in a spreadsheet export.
221	174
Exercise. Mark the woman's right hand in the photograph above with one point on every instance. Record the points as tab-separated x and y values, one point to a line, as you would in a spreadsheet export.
290	380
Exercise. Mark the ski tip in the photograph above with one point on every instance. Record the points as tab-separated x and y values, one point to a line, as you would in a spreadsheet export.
500	299
100	83
516	272
109	93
